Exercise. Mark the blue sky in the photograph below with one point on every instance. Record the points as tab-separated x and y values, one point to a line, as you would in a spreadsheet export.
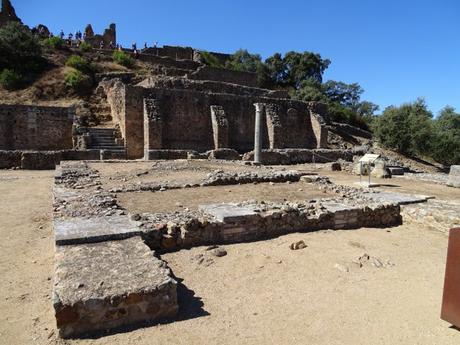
397	50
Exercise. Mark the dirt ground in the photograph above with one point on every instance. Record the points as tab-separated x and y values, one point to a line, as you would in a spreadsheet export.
260	293
175	200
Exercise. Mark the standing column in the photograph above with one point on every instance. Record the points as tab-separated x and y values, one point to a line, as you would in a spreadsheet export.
258	132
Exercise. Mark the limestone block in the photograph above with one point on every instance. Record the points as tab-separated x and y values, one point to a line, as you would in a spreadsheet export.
454	176
103	286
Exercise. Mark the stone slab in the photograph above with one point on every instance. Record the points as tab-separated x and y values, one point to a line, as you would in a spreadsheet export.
103	286
396	170
398	198
78	230
228	213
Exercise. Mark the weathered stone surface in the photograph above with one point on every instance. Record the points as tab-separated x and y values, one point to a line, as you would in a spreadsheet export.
40	160
27	127
380	170
103	286
10	159
396	170
454	176
226	154
95	229
228	213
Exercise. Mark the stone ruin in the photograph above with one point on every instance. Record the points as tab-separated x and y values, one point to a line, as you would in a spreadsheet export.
109	36
109	273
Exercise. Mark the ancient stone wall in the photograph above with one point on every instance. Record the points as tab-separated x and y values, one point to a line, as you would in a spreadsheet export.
187	121
174	52
25	127
224	75
109	35
211	86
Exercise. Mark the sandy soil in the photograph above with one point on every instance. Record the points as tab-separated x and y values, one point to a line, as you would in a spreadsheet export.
260	293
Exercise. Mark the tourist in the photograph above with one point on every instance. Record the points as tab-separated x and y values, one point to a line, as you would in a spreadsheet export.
61	34
111	45
101	45
134	46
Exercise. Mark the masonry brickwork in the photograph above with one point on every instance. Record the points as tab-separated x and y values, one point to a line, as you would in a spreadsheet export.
188	111
25	127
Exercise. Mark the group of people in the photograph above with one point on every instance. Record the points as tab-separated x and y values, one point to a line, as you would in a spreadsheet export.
79	37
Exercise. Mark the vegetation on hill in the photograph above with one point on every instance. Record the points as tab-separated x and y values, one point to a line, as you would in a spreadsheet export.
302	75
20	57
411	129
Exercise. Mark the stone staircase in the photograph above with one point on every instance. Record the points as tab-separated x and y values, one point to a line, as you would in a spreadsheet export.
106	139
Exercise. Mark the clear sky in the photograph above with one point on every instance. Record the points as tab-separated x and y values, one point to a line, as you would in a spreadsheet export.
397	50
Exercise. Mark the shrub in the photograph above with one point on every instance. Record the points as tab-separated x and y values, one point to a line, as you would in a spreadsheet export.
20	50
210	60
54	43
78	81
86	47
79	63
407	128
122	58
10	80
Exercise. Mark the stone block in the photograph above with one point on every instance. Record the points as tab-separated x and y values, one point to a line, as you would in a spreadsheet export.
104	286
226	154
10	159
113	154
396	170
77	230
40	160
454	176
167	154
228	213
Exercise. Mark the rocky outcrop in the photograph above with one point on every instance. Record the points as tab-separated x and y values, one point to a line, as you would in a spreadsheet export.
8	14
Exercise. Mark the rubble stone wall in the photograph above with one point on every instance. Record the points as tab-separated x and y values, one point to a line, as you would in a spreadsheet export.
187	120
25	127
224	75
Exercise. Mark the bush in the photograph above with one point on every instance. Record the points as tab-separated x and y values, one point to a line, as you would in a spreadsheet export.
78	81
210	60
79	63
122	58
54	43
10	80
20	50
407	129
86	47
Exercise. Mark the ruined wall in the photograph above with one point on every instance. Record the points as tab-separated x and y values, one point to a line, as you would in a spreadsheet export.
224	75
126	103
186	119
24	127
318	111
174	52
109	35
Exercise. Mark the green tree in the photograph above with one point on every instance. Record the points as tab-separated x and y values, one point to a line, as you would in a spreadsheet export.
445	147
20	50
242	60
295	68
407	129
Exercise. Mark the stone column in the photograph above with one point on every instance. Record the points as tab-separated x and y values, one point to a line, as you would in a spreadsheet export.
274	127
258	132
153	126
219	127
